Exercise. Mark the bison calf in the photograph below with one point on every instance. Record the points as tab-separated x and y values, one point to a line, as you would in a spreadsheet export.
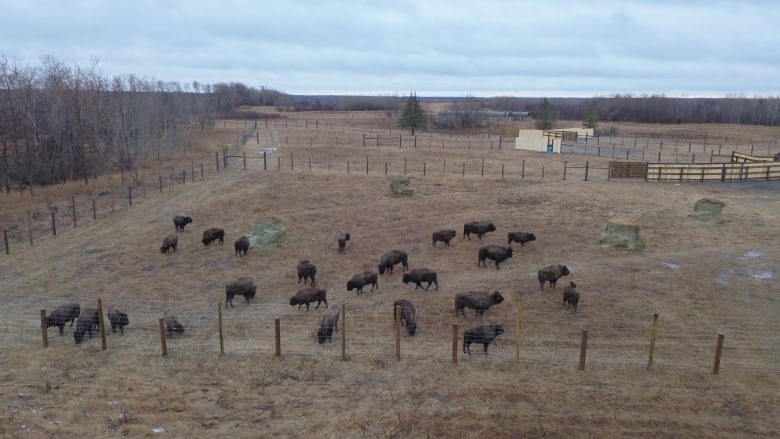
391	258
241	246
360	280
444	236
118	319
329	323
86	324
571	296
420	275
408	315
169	243
243	286
306	270
180	221
551	274
172	325
479	301
62	315
521	237
496	253
478	227
213	234
481	334
308	295
342	240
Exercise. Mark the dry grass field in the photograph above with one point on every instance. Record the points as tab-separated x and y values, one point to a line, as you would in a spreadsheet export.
702	280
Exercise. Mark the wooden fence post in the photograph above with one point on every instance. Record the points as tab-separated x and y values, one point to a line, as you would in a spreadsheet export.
718	352
130	195
347	167
522	172
216	157
183	176
309	164
483	168
404	165
53	225
517	337
265	164
244	155
463	170
221	334
542	173
277	339
102	324
385	168
201	170
29	224
366	164
653	333
343	332
502	171
278	163
163	342
583	348
587	165
44	329
5	238
397	333
292	162
73	204
564	169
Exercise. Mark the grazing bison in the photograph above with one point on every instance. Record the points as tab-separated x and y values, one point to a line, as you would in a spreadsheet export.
241	246
180	221
343	238
172	325
118	319
360	280
306	270
62	315
551	274
86	324
243	286
481	334
213	234
478	227
169	242
495	252
444	236
479	301
329	323
521	237
420	275
307	295
408	315
391	258
571	296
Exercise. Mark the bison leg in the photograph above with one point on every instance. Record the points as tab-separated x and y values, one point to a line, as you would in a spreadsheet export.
485	345
467	347
62	330
496	265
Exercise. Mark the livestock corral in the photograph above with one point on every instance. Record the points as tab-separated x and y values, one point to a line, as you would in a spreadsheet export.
702	279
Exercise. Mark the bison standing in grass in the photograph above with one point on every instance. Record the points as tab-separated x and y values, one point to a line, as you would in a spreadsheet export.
342	240
306	270
444	236
62	315
420	275
570	296
243	286
391	258
360	280
481	334
496	253
118	319
408	315
307	295
87	324
241	246
478	227
180	221
551	274
172	325
213	234
521	237
329	324
169	243
479	301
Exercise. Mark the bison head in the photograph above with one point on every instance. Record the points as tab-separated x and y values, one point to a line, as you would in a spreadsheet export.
497	297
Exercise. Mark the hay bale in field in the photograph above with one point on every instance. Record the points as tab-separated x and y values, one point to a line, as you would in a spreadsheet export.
267	234
708	210
622	233
399	186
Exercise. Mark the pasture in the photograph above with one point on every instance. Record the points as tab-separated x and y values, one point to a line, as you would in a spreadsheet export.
702	280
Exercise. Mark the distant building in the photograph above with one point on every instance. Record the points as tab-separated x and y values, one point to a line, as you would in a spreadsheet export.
548	140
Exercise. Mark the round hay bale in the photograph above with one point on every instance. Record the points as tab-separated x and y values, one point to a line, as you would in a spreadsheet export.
622	233
708	210
267	234
399	186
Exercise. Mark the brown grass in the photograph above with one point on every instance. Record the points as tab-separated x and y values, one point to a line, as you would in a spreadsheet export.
702	279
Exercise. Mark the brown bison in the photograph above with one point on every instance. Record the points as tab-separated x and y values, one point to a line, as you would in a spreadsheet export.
241	246
391	258
306	270
551	274
62	315
342	240
481	334
329	323
420	275
118	319
87	324
444	236
169	243
479	301
496	253
180	221
360	280
172	325
478	227
243	286
408	315
307	295
571	296
213	234
521	237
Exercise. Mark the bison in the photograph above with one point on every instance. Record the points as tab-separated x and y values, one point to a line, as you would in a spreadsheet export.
495	252
172	325
243	286
479	301
307	295
478	227
306	270
444	236
213	234
408	315
571	296
86	324
360	280
241	246
342	240
521	237
62	315
329	323
391	258
169	242
551	274
420	275
180	221
118	319
481	334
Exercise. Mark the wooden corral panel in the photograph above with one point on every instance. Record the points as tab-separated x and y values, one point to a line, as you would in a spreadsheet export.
741	171
627	169
738	157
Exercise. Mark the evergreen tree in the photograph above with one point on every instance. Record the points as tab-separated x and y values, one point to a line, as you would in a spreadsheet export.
546	118
413	116
591	116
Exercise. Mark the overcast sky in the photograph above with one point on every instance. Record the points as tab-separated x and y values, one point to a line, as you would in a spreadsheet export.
432	47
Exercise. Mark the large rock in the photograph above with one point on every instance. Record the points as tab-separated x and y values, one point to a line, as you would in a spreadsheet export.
399	186
708	210
622	233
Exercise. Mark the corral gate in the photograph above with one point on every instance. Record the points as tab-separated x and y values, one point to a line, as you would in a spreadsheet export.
627	169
